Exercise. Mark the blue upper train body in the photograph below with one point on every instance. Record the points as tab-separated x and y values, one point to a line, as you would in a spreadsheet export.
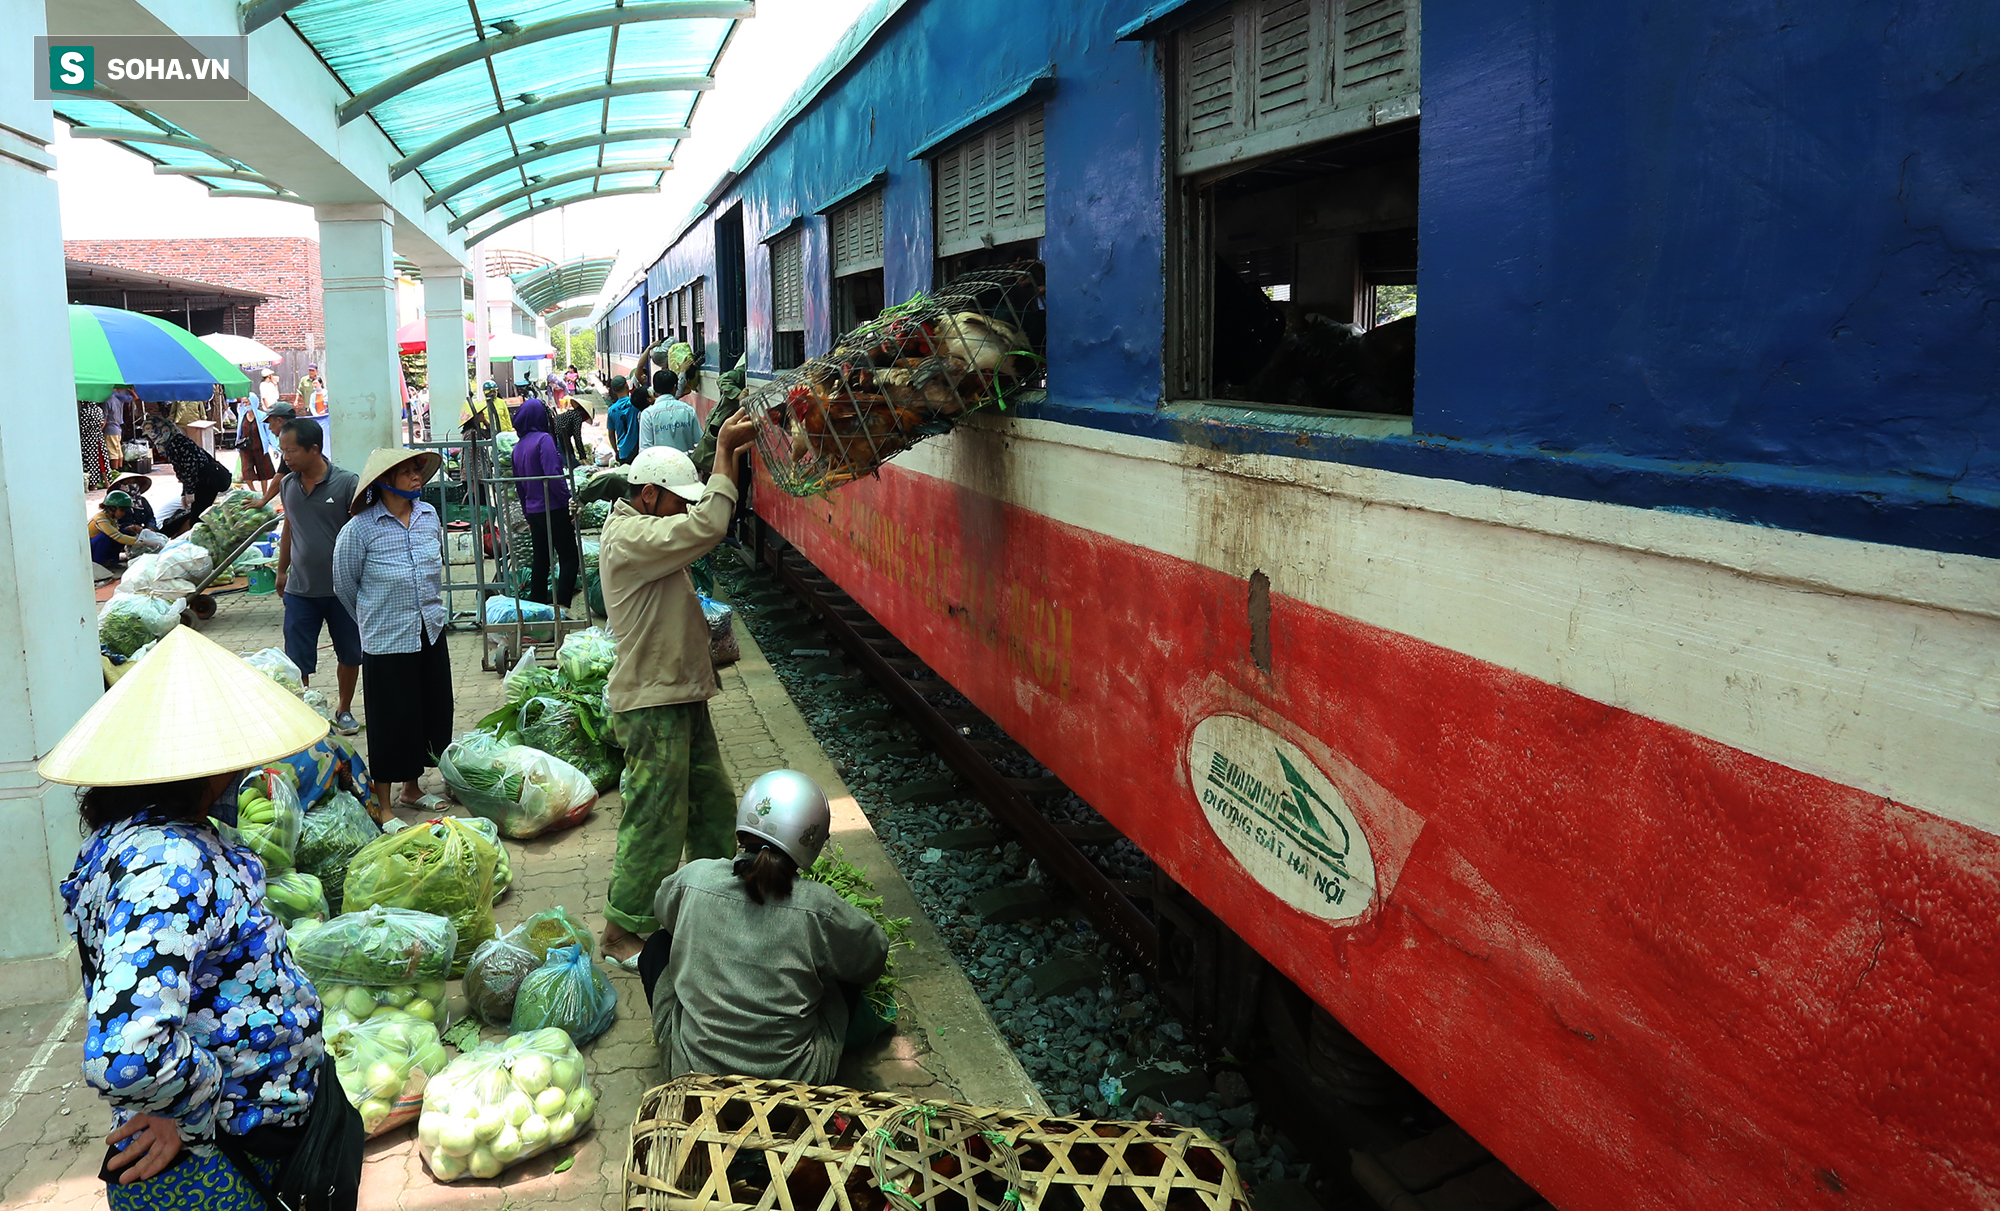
1735	259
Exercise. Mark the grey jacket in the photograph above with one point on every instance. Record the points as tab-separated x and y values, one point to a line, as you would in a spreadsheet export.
753	989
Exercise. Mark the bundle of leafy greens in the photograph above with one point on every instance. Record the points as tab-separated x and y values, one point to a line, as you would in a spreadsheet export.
378	948
443	867
335	830
852	885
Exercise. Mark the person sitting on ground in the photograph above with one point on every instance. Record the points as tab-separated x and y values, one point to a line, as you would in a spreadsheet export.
141	511
110	534
674	789
201	1031
316	495
202	478
754	971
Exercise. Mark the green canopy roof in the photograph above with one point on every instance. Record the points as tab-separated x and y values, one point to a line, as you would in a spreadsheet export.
545	290
506	109
146	134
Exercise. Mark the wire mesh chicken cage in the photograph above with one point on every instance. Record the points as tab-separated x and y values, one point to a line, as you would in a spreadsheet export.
913	372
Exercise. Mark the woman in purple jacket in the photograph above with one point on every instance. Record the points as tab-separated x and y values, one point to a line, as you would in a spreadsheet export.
544	488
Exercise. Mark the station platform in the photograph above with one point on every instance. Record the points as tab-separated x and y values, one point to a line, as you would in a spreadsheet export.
52	1125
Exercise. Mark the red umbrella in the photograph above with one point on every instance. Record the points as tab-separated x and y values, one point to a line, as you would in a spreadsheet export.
410	337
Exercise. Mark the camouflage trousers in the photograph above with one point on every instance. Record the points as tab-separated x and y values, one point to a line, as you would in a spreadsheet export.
676	795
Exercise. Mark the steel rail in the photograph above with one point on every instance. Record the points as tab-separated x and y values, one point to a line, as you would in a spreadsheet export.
507	117
528	35
1109	910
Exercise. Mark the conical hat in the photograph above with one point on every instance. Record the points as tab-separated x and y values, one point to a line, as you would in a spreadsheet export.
189	710
385	458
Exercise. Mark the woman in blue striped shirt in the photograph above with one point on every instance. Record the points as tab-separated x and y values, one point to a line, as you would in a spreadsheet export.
388	570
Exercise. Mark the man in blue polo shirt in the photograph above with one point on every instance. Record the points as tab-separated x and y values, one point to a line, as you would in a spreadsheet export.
316	495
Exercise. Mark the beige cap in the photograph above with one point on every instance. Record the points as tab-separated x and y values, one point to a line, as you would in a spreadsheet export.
386	459
223	716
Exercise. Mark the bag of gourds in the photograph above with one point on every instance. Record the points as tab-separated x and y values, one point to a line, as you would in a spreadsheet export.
382	958
384	1063
501	1104
441	866
909	374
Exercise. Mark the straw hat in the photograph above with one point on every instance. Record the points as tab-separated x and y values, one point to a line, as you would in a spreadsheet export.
386	459
145	483
226	716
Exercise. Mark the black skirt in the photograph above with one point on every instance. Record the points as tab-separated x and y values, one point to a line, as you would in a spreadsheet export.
408	699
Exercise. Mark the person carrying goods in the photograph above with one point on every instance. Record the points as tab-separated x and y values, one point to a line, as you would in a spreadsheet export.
110	534
674	787
202	478
753	970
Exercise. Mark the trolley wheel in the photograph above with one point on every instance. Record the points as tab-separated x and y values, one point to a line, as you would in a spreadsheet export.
202	605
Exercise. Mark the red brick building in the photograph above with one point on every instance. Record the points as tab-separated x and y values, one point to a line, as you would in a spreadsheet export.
284	267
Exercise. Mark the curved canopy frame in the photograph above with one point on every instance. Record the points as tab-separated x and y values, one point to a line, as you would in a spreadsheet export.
160	137
556	204
525	35
157	141
177	170
535	187
464	134
546	289
552	149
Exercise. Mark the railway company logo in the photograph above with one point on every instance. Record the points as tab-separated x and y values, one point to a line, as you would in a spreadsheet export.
1281	817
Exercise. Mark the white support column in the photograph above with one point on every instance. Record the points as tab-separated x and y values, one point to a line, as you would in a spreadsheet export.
482	366
444	337
49	669
357	269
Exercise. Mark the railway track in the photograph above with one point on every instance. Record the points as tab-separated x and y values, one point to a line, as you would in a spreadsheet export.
1286	1070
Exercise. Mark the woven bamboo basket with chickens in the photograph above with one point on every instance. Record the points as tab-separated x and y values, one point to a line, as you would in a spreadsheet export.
719	1143
910	374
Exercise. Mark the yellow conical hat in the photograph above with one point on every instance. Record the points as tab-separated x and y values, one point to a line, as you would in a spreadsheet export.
189	710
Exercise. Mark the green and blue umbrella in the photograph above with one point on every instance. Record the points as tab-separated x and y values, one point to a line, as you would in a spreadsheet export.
161	361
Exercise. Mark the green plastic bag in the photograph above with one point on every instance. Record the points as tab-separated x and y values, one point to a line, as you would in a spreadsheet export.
379	948
494	975
334	832
442	867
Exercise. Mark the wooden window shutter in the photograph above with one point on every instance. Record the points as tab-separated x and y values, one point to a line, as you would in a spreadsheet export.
695	291
855	233
1265	76
788	284
991	188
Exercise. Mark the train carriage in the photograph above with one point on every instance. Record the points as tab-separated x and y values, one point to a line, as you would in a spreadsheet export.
1586	688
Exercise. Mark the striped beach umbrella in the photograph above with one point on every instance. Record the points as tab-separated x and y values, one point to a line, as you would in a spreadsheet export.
162	361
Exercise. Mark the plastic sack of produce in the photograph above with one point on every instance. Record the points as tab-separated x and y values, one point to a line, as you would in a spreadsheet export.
172	573
504	443
385	1063
296	897
378	948
230	520
503	870
497	968
497	1105
557	727
523	790
333	832
537	618
153	540
569	992
592	516
585	658
273	663
722	646
130	621
268	819
527	679
442	866
346	1004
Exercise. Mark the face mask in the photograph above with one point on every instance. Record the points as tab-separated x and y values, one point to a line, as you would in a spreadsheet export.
403	494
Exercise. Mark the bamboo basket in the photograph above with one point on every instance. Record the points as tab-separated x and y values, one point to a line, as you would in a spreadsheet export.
911	373
703	1143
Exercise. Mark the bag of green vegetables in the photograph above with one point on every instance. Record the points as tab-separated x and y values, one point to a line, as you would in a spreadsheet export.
568	991
334	831
442	866
295	897
525	791
494	975
268	818
391	958
385	1063
498	1105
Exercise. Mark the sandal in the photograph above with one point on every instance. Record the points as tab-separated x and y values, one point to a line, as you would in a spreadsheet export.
427	803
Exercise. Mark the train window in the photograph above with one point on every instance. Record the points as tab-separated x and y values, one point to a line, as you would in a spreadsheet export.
854	243
732	281
989	189
700	341
788	301
1295	277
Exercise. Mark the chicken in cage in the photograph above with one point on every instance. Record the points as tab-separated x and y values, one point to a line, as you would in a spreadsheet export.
911	373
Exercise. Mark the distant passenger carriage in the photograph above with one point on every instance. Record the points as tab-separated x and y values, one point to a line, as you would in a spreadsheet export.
1627	615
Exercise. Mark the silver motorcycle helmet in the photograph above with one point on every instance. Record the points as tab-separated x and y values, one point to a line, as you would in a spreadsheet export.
787	809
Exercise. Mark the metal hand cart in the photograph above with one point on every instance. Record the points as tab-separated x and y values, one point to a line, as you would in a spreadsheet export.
201	603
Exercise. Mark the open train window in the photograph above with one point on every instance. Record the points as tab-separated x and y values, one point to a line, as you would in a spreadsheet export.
732	306
1294	279
854	258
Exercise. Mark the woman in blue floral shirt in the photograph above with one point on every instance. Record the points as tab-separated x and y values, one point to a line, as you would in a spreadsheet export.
200	1024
